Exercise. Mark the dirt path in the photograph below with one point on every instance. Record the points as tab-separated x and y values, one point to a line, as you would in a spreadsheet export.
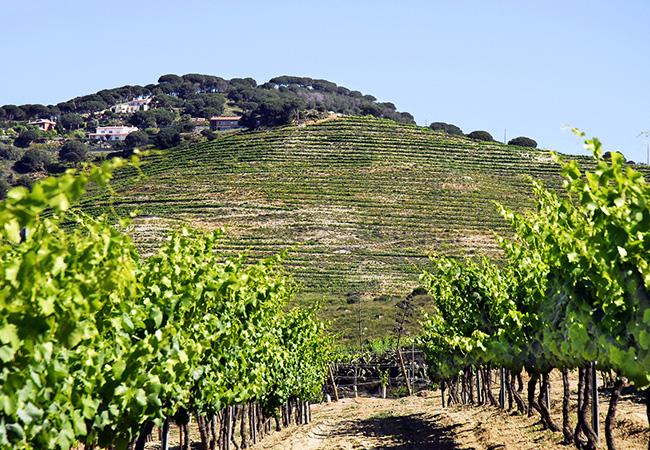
419	422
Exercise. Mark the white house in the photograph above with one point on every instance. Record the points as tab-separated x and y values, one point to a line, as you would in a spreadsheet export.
132	106
118	133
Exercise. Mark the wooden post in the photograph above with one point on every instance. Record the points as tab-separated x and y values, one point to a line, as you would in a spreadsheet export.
336	392
164	434
478	386
406	376
502	393
413	366
594	402
253	414
229	429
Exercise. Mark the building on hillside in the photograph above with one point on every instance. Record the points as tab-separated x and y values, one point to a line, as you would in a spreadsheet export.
43	124
118	133
132	106
225	123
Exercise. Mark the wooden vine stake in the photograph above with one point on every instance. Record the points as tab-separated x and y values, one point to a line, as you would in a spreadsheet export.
334	389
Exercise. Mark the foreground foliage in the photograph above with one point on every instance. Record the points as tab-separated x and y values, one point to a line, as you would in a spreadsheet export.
574	291
95	343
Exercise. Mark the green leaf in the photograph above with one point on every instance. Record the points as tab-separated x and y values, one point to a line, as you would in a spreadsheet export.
644	340
79	424
9	335
9	404
6	353
15	432
12	230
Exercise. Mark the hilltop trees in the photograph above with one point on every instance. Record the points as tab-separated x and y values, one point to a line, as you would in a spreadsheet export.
154	118
269	104
272	113
206	105
481	135
523	141
447	128
71	121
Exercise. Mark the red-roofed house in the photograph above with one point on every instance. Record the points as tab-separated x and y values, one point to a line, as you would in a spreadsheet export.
43	124
224	123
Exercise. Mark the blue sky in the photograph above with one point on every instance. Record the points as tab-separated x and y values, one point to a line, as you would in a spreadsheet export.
513	68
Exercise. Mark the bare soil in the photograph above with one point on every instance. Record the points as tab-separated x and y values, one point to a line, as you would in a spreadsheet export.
419	422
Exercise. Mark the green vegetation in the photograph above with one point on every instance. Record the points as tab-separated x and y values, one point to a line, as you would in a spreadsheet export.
447	128
96	345
573	293
167	115
481	135
360	203
523	141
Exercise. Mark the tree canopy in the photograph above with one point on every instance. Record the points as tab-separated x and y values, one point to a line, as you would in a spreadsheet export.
523	141
73	152
447	128
33	160
481	135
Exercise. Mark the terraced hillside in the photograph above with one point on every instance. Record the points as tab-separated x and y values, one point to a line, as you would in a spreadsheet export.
362	200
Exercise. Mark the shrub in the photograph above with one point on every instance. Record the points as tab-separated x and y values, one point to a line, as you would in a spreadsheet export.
25	181
25	138
447	128
9	152
209	134
167	138
73	152
419	291
523	141
136	139
480	135
33	160
608	155
353	299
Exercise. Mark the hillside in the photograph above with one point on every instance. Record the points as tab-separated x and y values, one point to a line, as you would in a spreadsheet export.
360	202
37	140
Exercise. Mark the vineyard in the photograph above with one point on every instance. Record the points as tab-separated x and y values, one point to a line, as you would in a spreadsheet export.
97	346
360	203
573	295
109	329
363	200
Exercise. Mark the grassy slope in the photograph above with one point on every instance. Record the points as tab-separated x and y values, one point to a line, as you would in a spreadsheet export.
363	200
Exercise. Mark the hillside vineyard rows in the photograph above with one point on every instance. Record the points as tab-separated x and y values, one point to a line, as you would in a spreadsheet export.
361	202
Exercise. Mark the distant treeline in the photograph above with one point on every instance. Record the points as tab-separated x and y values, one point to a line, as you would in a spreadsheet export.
273	103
